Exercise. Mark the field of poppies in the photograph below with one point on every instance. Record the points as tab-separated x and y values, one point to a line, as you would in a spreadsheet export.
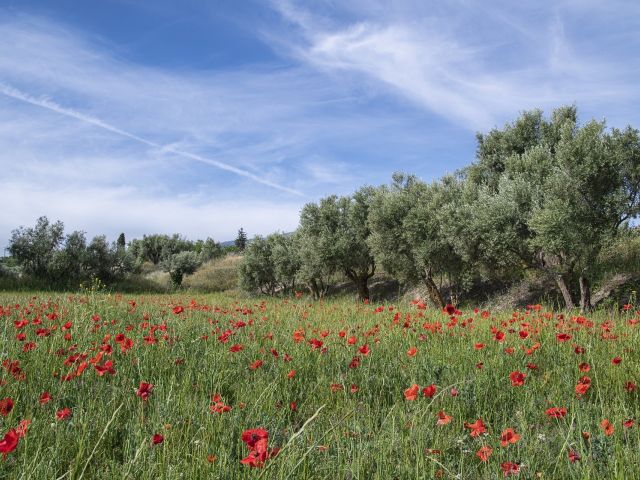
114	386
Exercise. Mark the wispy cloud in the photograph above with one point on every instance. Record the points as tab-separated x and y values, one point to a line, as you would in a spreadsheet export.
55	107
464	74
93	131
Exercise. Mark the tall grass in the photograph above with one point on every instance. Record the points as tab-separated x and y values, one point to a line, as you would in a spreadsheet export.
373	432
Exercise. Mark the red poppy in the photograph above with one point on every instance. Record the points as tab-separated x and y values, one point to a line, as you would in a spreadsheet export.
255	365
144	390
106	367
157	439
177	310
449	309
291	374
9	442
364	349
63	414
584	367
22	428
45	398
628	423
583	386
355	362
484	453
257	440
476	428
563	337
429	391
574	456
411	393
607	427
6	405
412	352
236	348
556	412
443	418
616	361
517	378
630	386
510	468
508	436
252	436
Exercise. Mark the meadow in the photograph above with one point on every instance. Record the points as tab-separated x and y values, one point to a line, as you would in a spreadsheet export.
97	385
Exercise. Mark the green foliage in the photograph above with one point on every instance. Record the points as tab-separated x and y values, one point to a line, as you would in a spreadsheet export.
47	255
365	427
269	265
208	249
412	227
35	248
158	248
333	237
180	264
241	240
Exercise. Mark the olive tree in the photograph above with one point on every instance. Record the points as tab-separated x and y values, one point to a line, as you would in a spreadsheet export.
269	265
35	247
410	232
333	237
180	264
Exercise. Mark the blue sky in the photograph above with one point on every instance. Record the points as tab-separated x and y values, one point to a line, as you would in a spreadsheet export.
200	117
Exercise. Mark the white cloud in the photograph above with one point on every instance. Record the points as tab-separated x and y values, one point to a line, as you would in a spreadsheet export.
450	59
113	210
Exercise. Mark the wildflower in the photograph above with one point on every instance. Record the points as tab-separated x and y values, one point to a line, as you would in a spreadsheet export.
556	412
607	427
255	365
429	391
144	390
583	385
574	456
484	453
443	418
508	436
63	414
45	398
517	378
6	405
9	443
411	393
476	428
510	468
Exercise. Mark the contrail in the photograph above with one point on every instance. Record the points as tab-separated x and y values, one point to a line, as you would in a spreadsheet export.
44	102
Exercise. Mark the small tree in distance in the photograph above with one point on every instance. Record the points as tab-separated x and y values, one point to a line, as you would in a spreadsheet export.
241	240
121	242
180	264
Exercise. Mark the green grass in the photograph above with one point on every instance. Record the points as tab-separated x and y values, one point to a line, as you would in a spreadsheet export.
372	433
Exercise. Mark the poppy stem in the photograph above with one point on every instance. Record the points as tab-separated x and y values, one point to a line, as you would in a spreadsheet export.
113	417
294	436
